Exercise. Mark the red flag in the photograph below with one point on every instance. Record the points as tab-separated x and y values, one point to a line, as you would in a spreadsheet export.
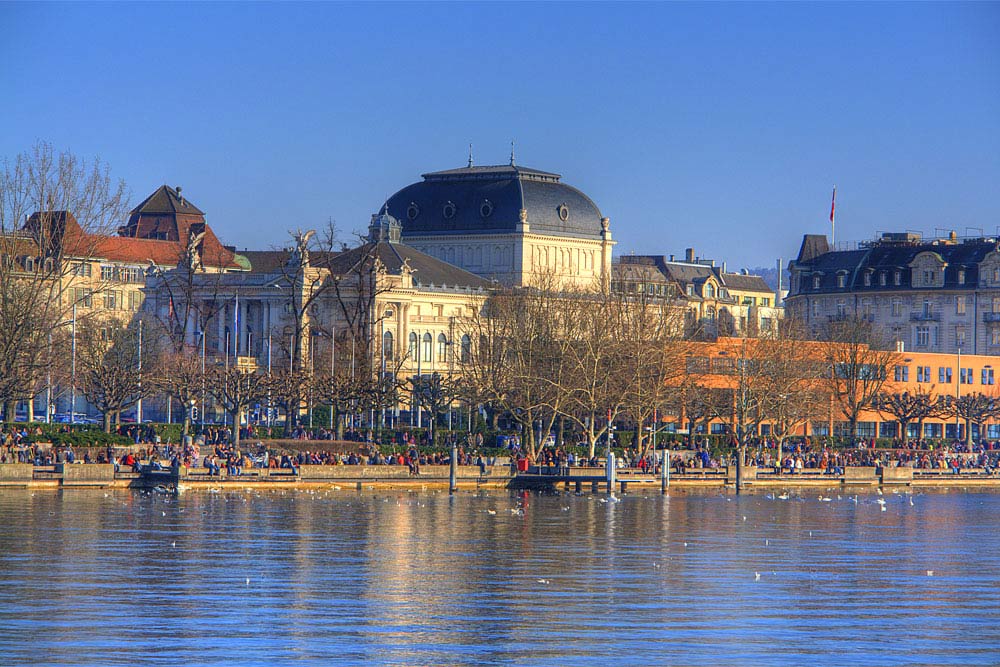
833	203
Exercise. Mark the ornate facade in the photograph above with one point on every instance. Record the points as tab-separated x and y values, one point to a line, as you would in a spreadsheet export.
506	223
938	295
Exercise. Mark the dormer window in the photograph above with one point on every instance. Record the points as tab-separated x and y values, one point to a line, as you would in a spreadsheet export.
868	280
815	282
897	278
961	276
881	279
841	280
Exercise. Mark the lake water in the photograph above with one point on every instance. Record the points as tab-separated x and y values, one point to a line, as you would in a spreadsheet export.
397	578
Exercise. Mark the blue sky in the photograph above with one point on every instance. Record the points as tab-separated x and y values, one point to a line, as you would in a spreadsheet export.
718	126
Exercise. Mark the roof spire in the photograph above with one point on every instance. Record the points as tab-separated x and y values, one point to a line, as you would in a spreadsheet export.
470	154
512	153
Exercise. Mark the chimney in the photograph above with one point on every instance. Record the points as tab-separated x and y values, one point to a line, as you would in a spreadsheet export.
671	258
777	300
689	254
900	346
723	267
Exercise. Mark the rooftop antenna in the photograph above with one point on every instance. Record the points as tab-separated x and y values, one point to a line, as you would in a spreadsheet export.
512	153
470	155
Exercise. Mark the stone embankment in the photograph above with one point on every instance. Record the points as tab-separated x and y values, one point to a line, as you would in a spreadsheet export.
78	475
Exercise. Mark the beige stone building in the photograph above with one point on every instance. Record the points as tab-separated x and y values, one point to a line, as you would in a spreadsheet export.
506	223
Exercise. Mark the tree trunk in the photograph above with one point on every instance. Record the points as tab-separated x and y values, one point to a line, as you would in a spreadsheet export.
237	417
30	416
9	408
968	433
107	421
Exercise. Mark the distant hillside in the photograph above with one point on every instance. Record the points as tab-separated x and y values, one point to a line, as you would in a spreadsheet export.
770	276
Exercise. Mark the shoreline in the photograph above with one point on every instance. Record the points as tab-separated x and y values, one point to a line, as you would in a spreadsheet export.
579	480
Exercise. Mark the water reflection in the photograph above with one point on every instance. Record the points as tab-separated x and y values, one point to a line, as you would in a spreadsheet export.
95	577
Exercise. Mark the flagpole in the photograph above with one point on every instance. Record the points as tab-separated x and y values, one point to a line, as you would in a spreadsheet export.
833	228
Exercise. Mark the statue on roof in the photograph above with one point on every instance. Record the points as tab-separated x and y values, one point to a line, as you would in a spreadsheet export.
300	253
192	255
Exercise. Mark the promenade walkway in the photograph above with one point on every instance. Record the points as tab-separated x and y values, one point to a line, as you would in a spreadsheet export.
497	476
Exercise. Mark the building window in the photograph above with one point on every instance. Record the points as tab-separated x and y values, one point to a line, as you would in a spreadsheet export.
996	276
710	291
466	349
960	305
690	290
896	307
815	282
996	304
987	376
944	375
923	373
881	279
868	280
995	336
815	308
428	347
765	323
961	276
841	309
413	351
765	302
83	297
923	336
928	311
107	273
841	280
387	346
110	300
901	373
442	347
928	278
965	376
82	270
134	300
960	337
897	278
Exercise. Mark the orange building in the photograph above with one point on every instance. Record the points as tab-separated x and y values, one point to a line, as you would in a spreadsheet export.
729	363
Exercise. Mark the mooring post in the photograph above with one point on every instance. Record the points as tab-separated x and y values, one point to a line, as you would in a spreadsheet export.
611	470
453	469
664	471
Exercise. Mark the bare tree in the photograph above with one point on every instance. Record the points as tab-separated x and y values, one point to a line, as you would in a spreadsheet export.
975	408
52	205
435	392
109	366
179	374
792	379
522	338
857	361
907	407
236	389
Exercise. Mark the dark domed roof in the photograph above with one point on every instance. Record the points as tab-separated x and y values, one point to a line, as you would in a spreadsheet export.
488	200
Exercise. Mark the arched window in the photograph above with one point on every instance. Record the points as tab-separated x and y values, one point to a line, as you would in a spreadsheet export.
710	291
428	347
442	347
413	351
466	349
387	347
